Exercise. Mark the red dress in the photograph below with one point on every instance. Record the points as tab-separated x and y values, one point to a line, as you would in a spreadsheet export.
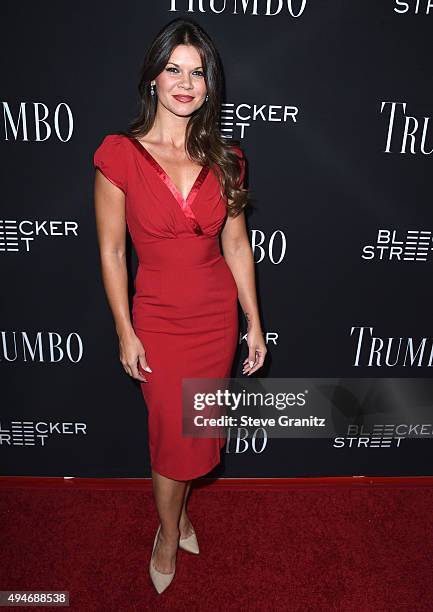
185	301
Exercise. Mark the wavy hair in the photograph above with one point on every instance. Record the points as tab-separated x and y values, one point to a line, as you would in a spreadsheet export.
203	140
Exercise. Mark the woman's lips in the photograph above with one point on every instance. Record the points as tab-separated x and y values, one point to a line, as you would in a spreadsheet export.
184	98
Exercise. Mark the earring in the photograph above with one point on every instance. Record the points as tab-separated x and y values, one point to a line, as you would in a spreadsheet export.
207	98
152	89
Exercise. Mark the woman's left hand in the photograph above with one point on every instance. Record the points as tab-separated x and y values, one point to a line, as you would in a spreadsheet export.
256	351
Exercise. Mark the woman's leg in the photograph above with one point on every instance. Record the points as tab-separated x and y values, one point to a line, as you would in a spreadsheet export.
185	526
169	499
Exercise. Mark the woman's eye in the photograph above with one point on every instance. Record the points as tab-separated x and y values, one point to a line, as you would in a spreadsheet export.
173	68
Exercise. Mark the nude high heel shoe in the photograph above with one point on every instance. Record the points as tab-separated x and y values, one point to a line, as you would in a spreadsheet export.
190	544
160	580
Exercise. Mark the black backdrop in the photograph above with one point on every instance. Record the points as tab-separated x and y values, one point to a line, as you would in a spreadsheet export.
332	101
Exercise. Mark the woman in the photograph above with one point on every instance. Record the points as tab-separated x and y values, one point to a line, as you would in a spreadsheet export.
177	185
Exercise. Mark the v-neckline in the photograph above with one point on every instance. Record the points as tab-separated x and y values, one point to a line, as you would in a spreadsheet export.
184	203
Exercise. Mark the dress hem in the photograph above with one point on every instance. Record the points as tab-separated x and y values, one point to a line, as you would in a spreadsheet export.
202	473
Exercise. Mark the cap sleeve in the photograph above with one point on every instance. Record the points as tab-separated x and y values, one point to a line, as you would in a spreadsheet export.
241	157
110	159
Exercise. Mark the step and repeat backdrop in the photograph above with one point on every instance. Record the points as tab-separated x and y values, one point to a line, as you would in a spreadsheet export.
332	102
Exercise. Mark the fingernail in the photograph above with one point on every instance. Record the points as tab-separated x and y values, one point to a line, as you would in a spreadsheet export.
147	369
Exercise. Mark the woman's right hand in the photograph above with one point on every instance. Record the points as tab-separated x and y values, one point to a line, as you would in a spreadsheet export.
132	354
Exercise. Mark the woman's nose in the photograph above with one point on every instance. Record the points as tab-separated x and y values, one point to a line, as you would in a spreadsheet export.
186	82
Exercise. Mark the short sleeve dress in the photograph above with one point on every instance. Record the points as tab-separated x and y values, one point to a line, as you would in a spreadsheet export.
185	302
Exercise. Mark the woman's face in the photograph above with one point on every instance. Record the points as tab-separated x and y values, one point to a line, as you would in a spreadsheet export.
181	86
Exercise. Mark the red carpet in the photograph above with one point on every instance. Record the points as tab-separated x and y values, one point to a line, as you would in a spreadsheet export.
291	547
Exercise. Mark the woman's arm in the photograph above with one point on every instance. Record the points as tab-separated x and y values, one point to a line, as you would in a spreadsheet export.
111	229
239	257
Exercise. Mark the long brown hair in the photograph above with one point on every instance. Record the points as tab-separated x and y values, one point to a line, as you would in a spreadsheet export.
203	141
